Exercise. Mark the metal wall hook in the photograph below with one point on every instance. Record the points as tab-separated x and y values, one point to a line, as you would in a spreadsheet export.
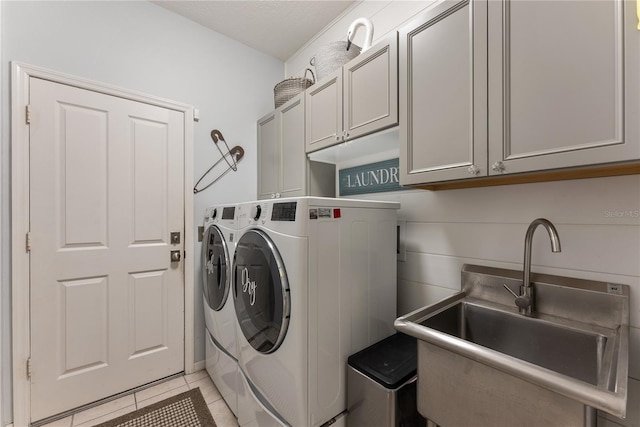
216	135
235	154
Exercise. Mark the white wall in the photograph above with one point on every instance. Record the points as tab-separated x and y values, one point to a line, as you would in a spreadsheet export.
142	47
598	219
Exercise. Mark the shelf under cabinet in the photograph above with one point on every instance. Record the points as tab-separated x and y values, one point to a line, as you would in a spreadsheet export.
382	145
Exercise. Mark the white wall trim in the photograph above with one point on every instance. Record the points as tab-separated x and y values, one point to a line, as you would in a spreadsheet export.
2	65
20	74
199	366
19	257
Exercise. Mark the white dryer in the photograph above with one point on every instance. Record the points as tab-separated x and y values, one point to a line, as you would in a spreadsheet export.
314	281
221	348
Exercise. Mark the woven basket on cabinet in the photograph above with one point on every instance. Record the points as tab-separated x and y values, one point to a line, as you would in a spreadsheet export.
288	88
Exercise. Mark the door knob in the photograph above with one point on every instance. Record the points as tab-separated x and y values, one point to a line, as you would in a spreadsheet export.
175	256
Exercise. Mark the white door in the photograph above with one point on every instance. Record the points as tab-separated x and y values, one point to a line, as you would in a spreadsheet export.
106	190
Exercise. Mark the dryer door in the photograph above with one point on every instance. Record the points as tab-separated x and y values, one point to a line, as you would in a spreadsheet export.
216	268
260	291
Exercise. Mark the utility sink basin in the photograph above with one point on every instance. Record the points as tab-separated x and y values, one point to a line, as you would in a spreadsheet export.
572	350
566	350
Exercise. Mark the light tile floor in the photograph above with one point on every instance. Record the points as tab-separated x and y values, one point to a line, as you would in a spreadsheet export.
221	413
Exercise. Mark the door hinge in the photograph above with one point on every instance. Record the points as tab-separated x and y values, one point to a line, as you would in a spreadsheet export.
29	368
28	242
27	115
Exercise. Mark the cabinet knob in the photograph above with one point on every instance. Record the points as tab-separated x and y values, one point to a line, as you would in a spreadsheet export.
277	195
473	170
498	167
273	195
337	137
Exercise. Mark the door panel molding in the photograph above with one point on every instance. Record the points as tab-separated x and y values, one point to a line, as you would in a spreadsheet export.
20	208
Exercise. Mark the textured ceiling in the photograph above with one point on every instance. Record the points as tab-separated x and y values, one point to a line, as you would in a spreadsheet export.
276	27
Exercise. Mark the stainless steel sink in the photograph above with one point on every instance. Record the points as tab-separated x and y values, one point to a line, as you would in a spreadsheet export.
567	350
574	347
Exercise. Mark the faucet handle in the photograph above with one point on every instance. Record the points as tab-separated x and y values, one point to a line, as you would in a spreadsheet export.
510	291
522	301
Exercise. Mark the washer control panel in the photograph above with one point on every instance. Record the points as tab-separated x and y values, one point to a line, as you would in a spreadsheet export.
255	213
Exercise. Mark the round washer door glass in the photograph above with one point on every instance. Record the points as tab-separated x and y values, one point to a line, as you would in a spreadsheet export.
260	291
216	277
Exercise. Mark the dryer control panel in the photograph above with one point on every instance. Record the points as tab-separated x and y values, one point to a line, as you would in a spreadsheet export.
285	211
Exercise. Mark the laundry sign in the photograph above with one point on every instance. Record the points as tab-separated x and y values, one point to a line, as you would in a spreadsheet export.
370	178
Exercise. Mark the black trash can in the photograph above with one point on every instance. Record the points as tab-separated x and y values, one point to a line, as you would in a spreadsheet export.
381	385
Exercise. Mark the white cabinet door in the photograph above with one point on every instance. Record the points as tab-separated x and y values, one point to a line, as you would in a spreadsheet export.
106	190
268	156
443	94
293	178
371	89
563	84
283	167
324	112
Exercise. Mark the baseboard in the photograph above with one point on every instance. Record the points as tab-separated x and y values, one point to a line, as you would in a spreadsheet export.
198	366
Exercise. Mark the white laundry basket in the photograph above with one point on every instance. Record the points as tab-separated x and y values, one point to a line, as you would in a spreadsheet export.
333	56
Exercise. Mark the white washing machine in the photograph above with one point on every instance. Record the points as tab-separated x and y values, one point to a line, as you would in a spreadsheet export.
221	348
314	281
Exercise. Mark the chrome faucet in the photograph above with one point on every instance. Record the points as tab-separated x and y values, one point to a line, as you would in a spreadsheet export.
525	300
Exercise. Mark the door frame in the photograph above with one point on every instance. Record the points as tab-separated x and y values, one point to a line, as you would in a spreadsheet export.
20	272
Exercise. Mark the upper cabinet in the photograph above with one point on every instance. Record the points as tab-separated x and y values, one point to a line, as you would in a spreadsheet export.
324	112
443	93
283	168
563	84
501	87
269	148
358	99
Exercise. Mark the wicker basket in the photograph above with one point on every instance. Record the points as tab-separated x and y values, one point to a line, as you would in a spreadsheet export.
287	89
333	56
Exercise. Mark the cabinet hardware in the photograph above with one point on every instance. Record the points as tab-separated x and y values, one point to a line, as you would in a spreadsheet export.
498	167
473	170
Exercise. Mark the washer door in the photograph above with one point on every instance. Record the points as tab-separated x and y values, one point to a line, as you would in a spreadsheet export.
216	277
260	291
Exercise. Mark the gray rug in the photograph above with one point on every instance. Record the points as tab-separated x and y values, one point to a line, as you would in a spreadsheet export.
186	409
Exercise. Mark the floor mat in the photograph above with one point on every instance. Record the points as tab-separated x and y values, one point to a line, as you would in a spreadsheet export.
186	409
